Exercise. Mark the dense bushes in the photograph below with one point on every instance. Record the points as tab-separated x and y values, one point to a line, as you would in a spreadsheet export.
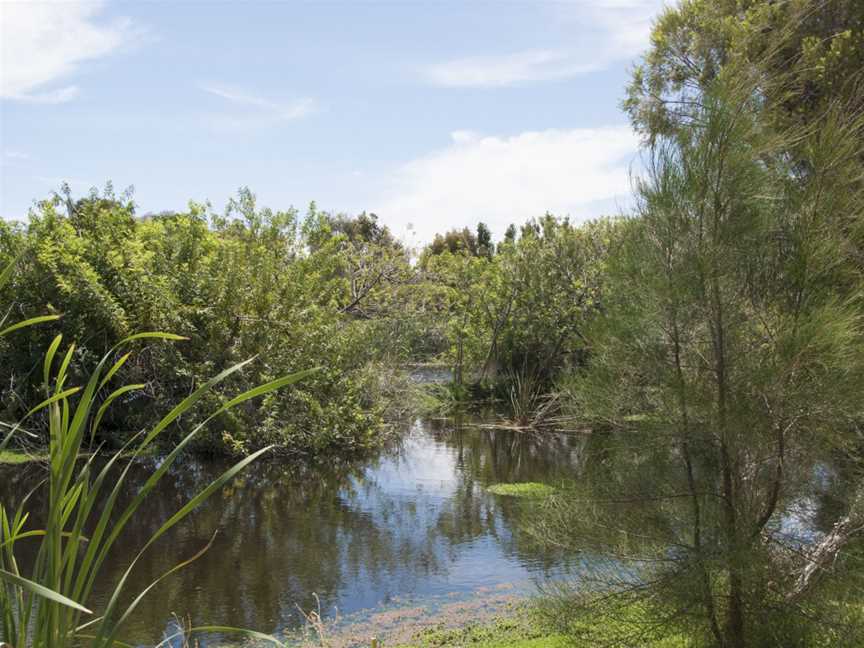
518	313
324	290
249	282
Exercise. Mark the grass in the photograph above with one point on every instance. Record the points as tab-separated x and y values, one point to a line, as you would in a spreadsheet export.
523	489
534	624
517	631
15	457
526	629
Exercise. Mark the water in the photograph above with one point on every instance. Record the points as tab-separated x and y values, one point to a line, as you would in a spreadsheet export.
410	525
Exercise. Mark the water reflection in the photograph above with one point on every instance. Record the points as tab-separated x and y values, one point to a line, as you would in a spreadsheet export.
414	521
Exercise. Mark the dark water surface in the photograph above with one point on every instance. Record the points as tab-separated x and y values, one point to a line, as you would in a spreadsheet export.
413	523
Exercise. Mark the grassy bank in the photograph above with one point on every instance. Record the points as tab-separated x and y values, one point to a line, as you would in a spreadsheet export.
524	629
515	632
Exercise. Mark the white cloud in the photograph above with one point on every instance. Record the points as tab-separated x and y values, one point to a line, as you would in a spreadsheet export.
627	23
509	69
10	154
43	42
251	110
61	95
605	31
503	180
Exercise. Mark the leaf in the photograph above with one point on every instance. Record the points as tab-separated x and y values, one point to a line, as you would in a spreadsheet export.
229	630
49	358
41	590
29	322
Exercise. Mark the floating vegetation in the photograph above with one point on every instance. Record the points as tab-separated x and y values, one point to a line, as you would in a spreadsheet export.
524	489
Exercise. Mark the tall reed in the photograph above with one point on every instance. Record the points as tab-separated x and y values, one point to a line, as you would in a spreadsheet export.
83	520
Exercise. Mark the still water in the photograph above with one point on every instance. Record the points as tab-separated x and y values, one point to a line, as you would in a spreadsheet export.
411	524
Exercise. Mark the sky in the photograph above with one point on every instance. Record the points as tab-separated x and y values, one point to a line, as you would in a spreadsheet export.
430	114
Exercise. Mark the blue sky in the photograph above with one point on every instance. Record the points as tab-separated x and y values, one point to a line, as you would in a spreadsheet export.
431	114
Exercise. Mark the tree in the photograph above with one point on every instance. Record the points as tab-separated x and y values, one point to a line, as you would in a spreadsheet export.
726	365
510	234
248	282
485	246
454	241
807	54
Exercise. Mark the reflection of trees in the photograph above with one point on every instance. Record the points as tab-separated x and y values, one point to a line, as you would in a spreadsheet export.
502	456
488	456
284	531
338	528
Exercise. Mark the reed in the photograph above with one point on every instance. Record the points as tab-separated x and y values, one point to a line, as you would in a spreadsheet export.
48	606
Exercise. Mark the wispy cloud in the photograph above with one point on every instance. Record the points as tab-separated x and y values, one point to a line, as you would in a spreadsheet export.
61	95
18	156
502	180
508	69
606	30
44	42
627	23
250	110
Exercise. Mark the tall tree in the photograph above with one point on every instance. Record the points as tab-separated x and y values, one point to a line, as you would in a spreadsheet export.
485	246
729	356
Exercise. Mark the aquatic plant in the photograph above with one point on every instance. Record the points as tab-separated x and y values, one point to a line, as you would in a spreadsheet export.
523	489
82	521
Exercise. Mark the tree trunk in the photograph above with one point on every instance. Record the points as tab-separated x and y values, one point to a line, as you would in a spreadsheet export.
823	555
459	353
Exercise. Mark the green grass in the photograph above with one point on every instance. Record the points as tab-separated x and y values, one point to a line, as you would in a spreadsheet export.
525	627
520	632
517	631
15	457
524	489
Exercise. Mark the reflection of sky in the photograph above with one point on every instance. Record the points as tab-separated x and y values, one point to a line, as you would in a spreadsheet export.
407	494
410	495
796	524
416	527
425	466
412	525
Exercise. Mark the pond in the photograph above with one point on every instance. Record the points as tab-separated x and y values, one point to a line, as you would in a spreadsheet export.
411	525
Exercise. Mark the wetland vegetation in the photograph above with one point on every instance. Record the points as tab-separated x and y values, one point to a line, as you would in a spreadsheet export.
653	419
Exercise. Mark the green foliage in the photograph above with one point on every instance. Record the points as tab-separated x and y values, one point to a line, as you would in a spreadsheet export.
456	241
518	313
80	524
806	55
518	630
536	626
250	282
713	342
322	289
727	364
12	457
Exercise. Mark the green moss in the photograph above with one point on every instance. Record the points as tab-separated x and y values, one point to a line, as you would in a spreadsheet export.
524	489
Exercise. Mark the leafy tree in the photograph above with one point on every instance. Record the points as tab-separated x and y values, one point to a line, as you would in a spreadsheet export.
727	365
807	55
510	234
517	314
455	241
485	246
251	281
